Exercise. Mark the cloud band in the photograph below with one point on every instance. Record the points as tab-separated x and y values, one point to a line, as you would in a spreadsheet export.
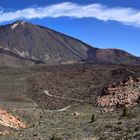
127	16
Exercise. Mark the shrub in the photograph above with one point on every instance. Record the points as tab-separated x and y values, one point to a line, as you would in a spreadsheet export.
124	111
54	137
92	118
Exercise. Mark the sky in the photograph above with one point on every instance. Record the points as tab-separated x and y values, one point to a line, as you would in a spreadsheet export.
100	23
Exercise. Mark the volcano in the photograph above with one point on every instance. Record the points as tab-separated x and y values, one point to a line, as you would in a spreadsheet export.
24	43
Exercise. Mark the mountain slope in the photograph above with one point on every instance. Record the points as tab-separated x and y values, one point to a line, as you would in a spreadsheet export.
41	43
116	56
51	47
8	58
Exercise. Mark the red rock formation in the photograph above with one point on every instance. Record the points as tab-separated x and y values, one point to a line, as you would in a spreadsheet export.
8	120
126	93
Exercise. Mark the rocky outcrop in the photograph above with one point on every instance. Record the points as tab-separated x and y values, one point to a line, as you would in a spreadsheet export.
125	93
8	120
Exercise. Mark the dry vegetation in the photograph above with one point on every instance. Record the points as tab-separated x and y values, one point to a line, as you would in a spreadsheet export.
22	94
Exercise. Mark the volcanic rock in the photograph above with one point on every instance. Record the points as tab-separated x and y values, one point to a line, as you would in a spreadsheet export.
125	93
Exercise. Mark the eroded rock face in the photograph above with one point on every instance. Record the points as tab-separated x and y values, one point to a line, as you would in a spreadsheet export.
8	120
125	93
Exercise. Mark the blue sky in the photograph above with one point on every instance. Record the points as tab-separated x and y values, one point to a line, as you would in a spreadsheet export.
100	23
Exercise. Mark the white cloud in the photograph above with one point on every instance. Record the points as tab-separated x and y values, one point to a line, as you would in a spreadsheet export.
127	16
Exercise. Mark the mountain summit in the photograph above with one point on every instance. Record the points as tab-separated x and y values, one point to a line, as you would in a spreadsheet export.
39	44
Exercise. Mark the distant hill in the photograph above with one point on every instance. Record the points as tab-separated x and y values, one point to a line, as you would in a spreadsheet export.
116	56
37	44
